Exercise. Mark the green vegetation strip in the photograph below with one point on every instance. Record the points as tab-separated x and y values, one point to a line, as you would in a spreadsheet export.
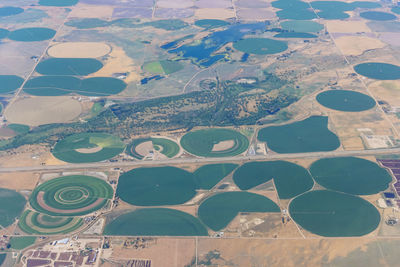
210	23
11	206
40	224
21	242
68	148
156	186
309	135
378	71
156	222
345	100
219	210
301	26
162	67
350	175
71	195
334	214
202	142
208	176
32	34
69	66
3	33
19	128
290	179
9	83
260	46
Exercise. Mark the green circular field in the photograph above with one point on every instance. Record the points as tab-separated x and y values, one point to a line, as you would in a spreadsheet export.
377	15
207	142
41	224
69	66
162	67
207	176
9	83
71	195
260	46
156	186
88	147
210	23
350	175
301	35
290	179
156	222
219	210
378	71
32	34
301	26
334	214
12	204
167	147
345	100
3	33
10	11
101	86
309	135
58	2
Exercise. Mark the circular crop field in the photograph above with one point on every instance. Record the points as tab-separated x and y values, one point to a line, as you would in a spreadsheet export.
345	100
12	204
290	179
69	66
215	143
207	176
10	83
88	147
156	222
165	146
210	23
41	224
334	214
3	33
10	11
378	71
301	35
71	195
32	34
156	186
79	50
350	175
376	15
219	210
301	26
260	46
58	2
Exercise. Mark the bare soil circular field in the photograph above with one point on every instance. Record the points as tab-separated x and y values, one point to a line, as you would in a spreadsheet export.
79	50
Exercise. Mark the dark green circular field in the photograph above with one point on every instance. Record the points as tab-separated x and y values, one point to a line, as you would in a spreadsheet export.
309	135
377	15
301	26
6	11
378	71
88	147
9	83
156	186
69	66
203	142
260	46
156	222
300	35
350	175
219	210
345	100
290	179
58	2
210	23
207	176
32	34
101	86
71	195
334	214
41	224
12	204
3	33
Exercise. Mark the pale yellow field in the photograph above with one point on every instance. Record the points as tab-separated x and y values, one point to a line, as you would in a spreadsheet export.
346	26
19	181
79	50
356	45
91	11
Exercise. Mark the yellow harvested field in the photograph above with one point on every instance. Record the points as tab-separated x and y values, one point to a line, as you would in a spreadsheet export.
346	26
91	11
43	110
214	13
356	45
19	180
79	50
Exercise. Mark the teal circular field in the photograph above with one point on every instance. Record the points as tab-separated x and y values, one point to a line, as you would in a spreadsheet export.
295	10
3	33
378	71
210	23
207	176
69	66
345	100
71	195
376	15
88	147
41	224
309	135
334	214
209	142
156	222
156	186
58	2
32	34
260	46
219	210
396	10
10	83
350	175
101	86
289	179
302	26
300	35
12	204
10	11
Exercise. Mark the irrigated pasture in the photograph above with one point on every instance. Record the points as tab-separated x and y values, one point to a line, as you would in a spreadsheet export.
32	34
9	83
207	176
378	71
68	66
11	205
260	46
6	11
345	100
377	15
71	195
58	2
156	222
301	26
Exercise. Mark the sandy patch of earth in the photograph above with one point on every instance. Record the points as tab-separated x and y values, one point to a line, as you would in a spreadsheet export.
346	26
19	180
89	150
356	45
91	11
43	110
79	50
223	145
144	148
214	13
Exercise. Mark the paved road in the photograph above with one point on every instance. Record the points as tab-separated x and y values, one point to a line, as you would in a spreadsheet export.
271	156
